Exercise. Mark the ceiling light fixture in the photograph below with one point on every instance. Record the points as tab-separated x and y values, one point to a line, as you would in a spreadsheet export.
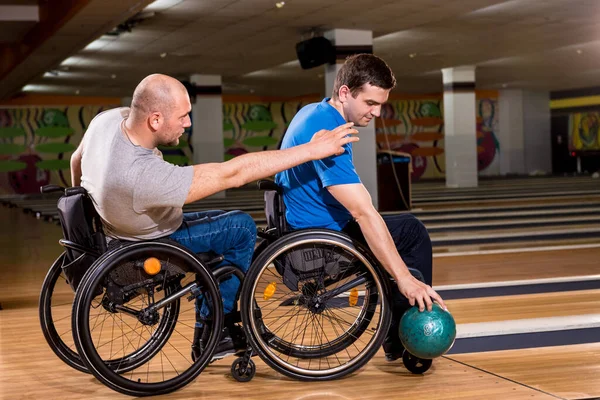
113	76
163	55
161	5
280	4
579	51
412	55
98	44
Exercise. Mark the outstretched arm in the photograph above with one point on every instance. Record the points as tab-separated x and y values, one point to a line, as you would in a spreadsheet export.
357	201
214	177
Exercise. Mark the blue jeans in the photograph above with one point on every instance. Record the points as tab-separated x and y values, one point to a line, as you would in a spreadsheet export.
231	234
414	246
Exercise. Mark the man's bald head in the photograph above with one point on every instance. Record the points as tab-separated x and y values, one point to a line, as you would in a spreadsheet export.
156	93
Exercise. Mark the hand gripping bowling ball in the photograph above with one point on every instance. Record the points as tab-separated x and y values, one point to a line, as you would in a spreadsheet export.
427	334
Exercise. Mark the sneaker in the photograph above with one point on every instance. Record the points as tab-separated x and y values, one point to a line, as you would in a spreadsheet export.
233	342
391	357
224	349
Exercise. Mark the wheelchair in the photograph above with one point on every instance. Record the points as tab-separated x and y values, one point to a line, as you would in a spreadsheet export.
133	311
315	304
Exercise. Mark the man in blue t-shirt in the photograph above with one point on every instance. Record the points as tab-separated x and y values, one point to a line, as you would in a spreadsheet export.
328	193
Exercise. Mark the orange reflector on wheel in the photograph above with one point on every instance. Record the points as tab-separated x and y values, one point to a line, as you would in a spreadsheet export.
353	298
152	266
269	290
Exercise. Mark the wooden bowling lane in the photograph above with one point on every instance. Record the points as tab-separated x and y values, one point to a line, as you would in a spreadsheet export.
521	307
567	372
500	247
29	370
28	249
461	269
432	205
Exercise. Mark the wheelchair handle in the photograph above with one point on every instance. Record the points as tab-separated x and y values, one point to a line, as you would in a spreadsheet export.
266	184
51	189
68	191
75	190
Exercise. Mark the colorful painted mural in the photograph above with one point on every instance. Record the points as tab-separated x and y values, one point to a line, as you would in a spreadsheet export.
584	132
249	127
415	127
36	142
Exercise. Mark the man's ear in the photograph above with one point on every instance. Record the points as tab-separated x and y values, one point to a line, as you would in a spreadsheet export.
155	120
343	93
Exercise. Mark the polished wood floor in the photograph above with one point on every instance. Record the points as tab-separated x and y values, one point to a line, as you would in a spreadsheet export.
30	370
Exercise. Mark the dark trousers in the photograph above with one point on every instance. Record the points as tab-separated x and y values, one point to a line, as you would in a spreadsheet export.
414	246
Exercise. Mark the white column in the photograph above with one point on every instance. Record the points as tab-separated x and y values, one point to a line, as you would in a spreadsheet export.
524	132
510	132
365	151
536	130
460	126
207	120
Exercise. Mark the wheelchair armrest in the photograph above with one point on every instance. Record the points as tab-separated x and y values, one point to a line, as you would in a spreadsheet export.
77	247
226	272
210	258
266	184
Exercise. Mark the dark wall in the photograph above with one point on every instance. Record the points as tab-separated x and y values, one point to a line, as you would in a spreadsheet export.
563	160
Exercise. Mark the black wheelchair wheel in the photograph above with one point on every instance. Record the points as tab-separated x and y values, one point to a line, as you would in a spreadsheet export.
315	305
55	307
133	330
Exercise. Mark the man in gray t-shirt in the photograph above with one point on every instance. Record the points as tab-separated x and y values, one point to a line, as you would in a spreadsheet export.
143	200
139	196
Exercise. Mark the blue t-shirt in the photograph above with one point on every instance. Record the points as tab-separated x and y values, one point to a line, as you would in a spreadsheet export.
308	203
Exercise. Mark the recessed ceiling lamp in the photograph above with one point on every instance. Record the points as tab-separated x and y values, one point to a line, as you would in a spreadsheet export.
163	55
280	4
579	51
113	76
412	55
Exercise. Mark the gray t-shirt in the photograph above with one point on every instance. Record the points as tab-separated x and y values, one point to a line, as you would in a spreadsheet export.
138	195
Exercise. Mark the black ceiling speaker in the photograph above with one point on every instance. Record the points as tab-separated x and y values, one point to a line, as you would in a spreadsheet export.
314	52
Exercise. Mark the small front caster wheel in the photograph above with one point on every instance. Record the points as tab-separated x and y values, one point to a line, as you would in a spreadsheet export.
243	371
415	364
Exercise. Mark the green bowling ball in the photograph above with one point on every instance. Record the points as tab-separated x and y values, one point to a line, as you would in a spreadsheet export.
427	334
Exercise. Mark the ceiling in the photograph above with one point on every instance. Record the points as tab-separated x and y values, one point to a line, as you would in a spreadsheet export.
534	44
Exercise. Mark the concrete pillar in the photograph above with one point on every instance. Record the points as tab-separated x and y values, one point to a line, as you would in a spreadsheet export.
460	126
207	120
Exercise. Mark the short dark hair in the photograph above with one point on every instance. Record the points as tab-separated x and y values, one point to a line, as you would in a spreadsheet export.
360	69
